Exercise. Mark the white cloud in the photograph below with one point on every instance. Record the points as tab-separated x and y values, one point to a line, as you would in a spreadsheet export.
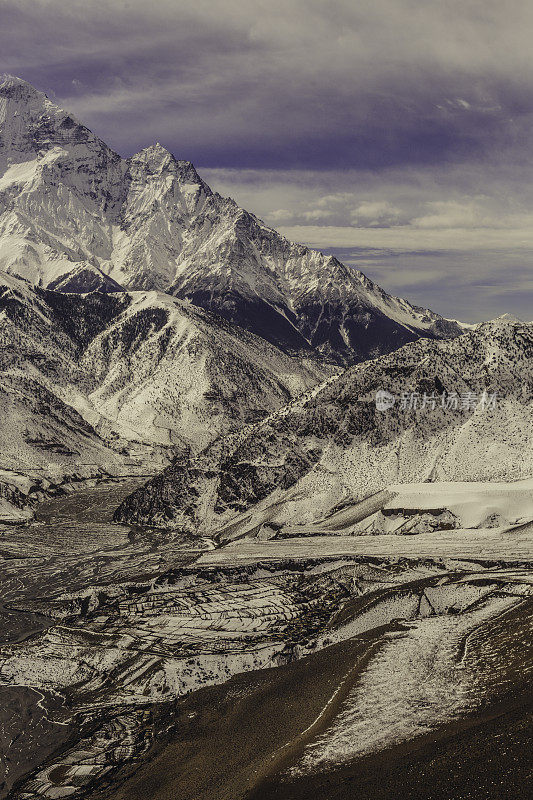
377	214
410	237
450	214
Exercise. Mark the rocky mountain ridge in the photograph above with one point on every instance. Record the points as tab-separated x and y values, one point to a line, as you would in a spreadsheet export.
336	448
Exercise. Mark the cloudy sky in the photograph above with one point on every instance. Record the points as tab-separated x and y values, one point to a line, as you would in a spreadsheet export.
396	133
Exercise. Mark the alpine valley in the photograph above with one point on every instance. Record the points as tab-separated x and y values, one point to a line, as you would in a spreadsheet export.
225	570
143	314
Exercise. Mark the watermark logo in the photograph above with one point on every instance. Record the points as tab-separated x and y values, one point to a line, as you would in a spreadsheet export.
448	401
384	400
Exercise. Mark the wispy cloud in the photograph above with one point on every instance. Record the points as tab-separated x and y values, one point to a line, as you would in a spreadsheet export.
295	83
399	125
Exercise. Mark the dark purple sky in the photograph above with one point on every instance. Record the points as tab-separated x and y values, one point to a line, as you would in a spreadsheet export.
396	131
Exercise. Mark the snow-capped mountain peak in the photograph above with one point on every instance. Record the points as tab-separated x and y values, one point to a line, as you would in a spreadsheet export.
70	206
507	319
31	124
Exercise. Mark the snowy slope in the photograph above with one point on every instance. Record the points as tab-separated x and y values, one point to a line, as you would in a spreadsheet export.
96	378
472	504
335	449
75	216
179	375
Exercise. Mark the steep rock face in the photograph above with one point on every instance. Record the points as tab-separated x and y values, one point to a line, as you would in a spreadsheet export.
36	132
99	376
74	216
61	187
335	447
84	279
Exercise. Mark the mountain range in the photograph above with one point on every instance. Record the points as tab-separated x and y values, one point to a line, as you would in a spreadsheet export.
298	553
75	217
143	316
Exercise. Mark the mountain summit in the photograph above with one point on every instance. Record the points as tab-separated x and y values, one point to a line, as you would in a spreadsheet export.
75	216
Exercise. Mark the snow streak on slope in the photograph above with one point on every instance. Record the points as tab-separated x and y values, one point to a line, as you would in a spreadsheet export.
39	355
95	378
182	376
416	683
